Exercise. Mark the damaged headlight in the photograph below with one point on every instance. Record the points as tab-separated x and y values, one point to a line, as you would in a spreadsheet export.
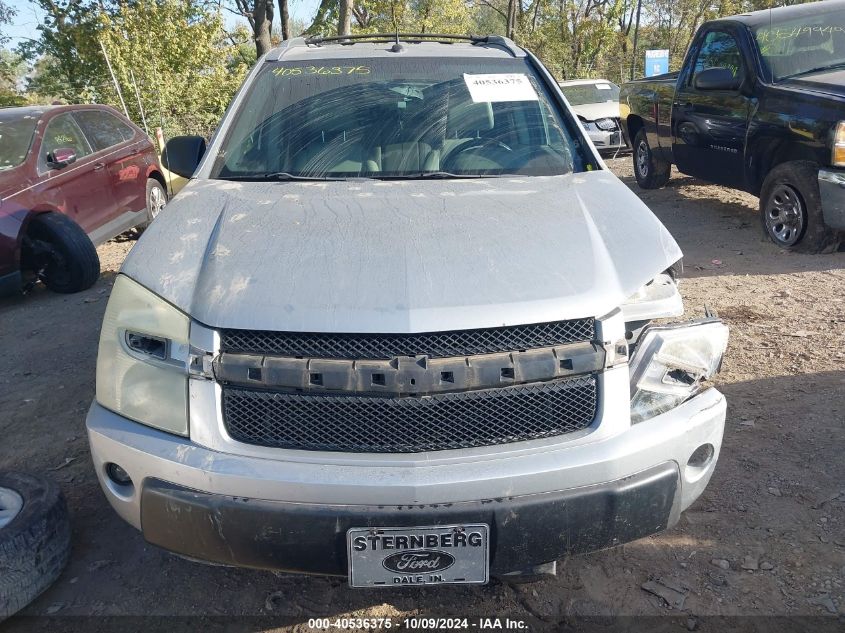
657	299
141	362
607	125
671	363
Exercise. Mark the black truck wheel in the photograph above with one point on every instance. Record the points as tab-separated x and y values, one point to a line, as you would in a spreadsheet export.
59	251
650	171
791	209
34	538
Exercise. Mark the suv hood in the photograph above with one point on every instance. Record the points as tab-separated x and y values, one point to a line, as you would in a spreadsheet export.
401	256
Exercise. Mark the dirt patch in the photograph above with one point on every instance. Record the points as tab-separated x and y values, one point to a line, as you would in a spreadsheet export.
767	537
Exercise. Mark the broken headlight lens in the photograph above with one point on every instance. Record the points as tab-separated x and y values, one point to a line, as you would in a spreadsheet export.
607	125
671	363
657	299
141	362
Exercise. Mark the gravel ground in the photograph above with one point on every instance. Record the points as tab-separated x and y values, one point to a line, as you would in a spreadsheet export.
766	538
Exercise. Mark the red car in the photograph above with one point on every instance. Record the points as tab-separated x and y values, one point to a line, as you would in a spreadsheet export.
71	177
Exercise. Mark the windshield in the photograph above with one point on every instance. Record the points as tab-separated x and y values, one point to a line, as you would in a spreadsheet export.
409	117
16	131
799	46
599	92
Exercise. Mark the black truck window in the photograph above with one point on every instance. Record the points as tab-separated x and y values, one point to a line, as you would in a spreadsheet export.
719	50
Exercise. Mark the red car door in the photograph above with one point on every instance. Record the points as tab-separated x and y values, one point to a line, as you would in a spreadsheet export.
81	189
122	148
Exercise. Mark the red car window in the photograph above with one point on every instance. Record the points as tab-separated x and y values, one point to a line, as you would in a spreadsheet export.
63	132
103	129
15	138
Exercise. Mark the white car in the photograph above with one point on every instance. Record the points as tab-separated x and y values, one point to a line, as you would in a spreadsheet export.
397	328
596	102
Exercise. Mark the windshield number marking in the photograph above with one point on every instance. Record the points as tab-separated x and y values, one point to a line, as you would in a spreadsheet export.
321	70
764	35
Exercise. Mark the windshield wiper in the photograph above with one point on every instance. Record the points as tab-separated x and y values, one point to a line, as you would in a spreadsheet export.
815	70
279	175
447	174
286	176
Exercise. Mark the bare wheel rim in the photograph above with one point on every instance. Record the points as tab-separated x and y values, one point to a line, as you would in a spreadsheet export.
10	506
642	158
157	201
784	215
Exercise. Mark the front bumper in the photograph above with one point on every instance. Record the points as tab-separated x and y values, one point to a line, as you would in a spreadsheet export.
292	513
832	191
526	531
607	141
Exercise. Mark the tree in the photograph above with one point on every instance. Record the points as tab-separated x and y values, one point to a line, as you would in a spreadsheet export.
6	15
66	54
344	20
389	16
177	54
284	18
259	15
327	12
188	78
263	16
12	71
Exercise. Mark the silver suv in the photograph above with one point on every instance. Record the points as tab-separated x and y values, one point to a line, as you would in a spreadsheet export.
397	327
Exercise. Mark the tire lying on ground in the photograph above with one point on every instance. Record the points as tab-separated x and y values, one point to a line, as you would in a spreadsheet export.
34	538
72	264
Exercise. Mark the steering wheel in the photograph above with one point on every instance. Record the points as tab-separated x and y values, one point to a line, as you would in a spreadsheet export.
471	144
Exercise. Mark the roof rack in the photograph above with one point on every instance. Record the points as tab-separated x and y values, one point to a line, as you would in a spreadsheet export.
403	37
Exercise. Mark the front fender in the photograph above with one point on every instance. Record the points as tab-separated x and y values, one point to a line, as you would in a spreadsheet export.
13	219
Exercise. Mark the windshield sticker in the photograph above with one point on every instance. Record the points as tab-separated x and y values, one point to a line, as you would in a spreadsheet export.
603	86
500	87
305	71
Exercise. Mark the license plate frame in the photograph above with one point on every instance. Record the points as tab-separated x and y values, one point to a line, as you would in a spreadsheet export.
386	562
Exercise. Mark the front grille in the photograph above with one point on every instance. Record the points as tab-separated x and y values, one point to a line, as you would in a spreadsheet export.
387	346
411	424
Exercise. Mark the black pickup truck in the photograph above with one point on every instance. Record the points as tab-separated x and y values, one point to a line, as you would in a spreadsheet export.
758	105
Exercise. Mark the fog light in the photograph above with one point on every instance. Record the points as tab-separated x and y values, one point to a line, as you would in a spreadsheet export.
118	475
701	457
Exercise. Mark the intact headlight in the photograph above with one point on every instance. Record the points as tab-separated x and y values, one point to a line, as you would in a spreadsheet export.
838	153
670	364
589	126
141	362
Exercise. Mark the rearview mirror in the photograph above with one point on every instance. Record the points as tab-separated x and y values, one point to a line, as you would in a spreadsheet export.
716	79
62	157
182	154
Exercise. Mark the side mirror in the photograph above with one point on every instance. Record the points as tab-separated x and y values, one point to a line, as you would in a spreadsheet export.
182	154
716	79
60	158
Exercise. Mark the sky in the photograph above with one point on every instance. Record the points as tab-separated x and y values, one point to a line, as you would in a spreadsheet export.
29	17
